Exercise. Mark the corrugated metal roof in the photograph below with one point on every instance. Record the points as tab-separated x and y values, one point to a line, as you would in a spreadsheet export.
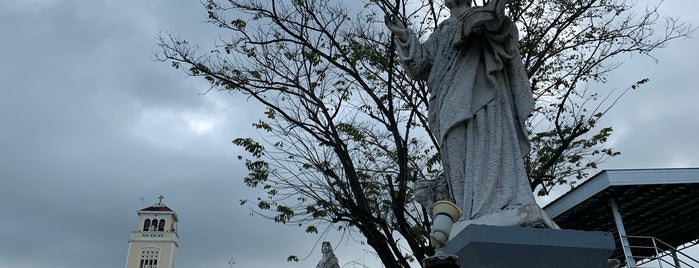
663	203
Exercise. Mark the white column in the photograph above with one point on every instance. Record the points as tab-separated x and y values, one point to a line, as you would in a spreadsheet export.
622	234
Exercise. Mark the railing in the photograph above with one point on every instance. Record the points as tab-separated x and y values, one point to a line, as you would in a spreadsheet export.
652	249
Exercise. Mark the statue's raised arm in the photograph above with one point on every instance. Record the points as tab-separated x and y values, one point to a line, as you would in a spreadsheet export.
396	27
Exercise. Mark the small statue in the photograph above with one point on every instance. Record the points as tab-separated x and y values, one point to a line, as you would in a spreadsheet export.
329	260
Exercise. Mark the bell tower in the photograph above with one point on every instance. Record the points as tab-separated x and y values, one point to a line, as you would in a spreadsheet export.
154	243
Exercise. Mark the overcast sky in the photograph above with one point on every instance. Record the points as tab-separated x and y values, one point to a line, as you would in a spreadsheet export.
89	123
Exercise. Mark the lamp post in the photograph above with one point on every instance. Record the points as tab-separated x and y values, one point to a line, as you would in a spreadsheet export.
444	214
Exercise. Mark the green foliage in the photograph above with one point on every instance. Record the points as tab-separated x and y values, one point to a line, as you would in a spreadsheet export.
312	229
251	146
285	214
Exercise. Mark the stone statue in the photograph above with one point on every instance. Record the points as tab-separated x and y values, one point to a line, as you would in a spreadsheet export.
480	97
329	260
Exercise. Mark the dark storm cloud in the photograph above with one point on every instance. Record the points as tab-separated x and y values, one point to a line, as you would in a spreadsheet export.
89	123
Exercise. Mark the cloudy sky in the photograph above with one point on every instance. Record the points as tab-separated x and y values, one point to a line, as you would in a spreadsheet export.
89	123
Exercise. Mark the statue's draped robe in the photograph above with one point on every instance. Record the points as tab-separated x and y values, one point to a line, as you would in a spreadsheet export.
479	99
328	261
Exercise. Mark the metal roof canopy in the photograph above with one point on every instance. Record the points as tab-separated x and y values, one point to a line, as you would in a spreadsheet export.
662	203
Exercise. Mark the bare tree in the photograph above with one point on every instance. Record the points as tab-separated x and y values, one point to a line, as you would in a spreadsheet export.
568	49
345	130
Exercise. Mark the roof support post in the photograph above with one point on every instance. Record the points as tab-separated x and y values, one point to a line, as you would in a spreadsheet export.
674	257
630	263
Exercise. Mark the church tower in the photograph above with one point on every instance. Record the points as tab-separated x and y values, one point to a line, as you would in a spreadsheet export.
154	244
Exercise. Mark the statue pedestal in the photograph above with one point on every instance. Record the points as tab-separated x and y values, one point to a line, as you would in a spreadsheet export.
445	261
483	246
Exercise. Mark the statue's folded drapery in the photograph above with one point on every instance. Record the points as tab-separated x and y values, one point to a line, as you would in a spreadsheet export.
480	98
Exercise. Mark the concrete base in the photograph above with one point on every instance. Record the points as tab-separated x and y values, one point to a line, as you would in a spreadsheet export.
444	261
483	246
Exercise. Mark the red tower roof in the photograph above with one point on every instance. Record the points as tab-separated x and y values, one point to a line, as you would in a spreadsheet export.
157	208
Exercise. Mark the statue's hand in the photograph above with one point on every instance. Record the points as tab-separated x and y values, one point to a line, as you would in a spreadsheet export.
396	27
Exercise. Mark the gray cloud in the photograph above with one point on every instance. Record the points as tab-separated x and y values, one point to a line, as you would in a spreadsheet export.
656	125
89	123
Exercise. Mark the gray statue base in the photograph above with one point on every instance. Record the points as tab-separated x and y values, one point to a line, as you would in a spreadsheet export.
483	246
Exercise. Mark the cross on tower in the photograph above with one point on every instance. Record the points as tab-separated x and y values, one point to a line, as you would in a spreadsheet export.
161	200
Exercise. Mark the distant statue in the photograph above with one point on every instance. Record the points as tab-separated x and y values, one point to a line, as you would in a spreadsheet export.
329	260
480	97
612	263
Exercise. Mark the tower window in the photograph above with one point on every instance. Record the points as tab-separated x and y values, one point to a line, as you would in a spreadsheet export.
146	224
149	258
161	225
154	225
